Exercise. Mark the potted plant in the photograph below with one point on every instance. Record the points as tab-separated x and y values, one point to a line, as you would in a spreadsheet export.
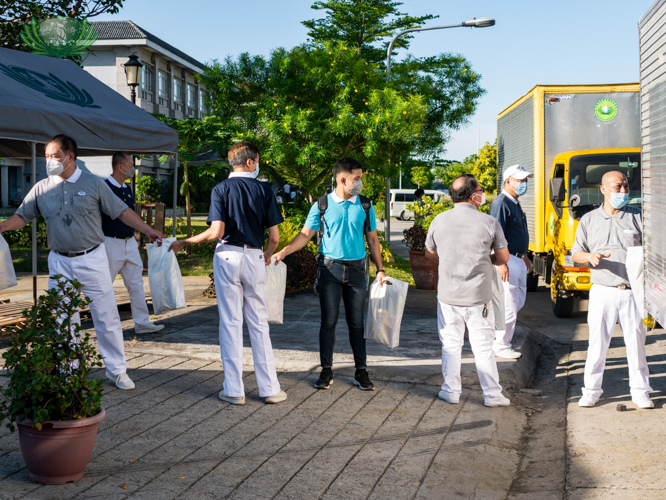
424	271
50	397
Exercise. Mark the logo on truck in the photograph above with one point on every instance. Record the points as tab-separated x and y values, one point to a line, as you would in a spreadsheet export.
605	110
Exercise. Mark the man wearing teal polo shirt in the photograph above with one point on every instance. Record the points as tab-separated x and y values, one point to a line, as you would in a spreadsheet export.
341	273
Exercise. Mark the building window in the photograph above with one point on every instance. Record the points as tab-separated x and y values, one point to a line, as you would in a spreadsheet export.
191	95
163	87
178	89
202	101
147	78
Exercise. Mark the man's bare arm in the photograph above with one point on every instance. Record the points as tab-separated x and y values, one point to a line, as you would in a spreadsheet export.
14	223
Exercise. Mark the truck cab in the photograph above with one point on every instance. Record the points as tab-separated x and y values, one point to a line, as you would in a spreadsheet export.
573	191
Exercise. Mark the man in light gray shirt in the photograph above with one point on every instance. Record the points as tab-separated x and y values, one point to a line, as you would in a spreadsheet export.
461	241
70	201
602	238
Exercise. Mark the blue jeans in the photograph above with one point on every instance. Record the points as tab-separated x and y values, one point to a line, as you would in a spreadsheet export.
337	280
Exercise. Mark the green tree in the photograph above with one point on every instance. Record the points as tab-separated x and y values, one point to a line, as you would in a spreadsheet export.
360	24
422	176
448	172
15	14
147	189
485	167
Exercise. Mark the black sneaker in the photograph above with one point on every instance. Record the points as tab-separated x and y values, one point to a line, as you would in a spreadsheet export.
362	380
325	379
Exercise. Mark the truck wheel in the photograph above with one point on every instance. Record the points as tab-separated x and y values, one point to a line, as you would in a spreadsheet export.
563	306
532	282
404	215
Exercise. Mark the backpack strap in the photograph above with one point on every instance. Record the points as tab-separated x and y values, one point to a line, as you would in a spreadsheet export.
322	203
366	204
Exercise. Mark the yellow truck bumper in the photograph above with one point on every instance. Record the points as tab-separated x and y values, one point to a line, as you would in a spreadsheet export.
578	281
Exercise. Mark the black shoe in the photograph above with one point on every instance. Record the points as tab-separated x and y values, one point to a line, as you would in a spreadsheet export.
362	380
325	379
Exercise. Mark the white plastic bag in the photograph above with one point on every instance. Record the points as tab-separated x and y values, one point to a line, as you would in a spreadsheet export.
276	284
7	274
166	282
385	308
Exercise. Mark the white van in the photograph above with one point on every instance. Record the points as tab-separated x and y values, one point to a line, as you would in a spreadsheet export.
401	197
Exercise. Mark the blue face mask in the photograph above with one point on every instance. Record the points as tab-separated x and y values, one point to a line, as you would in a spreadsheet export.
618	200
521	189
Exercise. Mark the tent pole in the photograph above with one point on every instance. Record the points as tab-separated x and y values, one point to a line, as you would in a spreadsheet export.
175	192
33	177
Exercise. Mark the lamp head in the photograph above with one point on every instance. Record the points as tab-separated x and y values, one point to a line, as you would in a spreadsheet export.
133	70
484	22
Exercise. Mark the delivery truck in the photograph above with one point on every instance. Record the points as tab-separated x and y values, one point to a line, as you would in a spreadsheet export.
568	136
652	42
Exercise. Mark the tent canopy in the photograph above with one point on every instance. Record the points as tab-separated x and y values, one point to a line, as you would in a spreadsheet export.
42	96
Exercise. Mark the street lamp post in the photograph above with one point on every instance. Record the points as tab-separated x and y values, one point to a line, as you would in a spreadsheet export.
133	74
484	22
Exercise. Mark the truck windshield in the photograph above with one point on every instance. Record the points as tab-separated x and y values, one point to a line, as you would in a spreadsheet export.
586	171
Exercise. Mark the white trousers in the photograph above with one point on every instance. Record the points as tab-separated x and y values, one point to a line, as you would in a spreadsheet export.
515	291
240	276
124	258
451	321
608	306
91	270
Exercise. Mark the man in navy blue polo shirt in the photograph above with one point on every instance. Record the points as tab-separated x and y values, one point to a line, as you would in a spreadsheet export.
508	212
241	208
341	273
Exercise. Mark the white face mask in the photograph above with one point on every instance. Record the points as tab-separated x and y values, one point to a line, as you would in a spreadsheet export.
55	167
130	172
483	199
357	187
255	174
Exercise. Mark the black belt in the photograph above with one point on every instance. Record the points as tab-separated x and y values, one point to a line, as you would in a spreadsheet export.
243	245
623	287
76	254
519	255
344	262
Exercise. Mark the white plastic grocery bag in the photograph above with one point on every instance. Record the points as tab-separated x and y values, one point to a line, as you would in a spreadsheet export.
276	284
385	308
166	282
7	274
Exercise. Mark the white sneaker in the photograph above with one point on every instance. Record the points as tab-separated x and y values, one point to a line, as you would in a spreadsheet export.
448	397
276	398
507	353
122	381
587	401
499	400
240	400
643	402
148	328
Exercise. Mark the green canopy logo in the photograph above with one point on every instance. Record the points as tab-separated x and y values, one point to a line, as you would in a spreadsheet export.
605	110
50	85
59	37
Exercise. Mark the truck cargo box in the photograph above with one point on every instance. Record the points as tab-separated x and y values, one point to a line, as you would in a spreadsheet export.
652	40
552	119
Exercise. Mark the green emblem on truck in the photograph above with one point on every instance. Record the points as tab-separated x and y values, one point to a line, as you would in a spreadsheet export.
605	110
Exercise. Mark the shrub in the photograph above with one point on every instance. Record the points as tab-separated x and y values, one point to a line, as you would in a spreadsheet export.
301	269
23	237
48	363
148	190
415	238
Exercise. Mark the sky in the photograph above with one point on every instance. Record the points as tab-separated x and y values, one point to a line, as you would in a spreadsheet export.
534	42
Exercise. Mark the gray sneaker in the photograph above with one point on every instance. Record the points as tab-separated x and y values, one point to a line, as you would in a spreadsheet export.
276	398
240	400
122	381
148	328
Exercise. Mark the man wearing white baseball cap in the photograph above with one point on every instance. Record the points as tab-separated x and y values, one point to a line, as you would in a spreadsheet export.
508	212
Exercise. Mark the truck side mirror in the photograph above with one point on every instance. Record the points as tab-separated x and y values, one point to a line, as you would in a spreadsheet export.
557	190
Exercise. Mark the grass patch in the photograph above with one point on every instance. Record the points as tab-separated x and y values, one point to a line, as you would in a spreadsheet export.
400	269
22	259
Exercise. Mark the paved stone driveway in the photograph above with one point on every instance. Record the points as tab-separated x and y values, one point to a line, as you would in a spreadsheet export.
173	438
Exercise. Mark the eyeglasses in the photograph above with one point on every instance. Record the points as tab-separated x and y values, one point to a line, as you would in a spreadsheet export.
480	190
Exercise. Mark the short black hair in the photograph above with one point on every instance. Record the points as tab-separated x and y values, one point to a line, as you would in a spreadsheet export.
241	152
66	143
466	191
345	165
419	192
119	157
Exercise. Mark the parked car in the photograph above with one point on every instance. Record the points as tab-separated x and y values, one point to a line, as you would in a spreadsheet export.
401	197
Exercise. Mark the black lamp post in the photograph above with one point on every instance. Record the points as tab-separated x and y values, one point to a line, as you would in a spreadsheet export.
133	74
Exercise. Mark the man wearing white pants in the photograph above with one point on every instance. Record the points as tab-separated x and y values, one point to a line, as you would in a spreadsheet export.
602	239
71	202
508	212
122	248
241	208
461	241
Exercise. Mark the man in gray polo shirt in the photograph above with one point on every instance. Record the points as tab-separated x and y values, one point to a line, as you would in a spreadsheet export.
461	241
602	239
70	201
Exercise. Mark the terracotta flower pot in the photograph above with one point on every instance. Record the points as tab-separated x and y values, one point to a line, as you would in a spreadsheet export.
61	450
424	271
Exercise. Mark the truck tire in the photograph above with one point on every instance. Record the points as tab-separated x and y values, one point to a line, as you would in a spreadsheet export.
563	306
404	216
532	282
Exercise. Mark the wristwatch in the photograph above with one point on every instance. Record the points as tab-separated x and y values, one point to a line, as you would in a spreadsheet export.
380	271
